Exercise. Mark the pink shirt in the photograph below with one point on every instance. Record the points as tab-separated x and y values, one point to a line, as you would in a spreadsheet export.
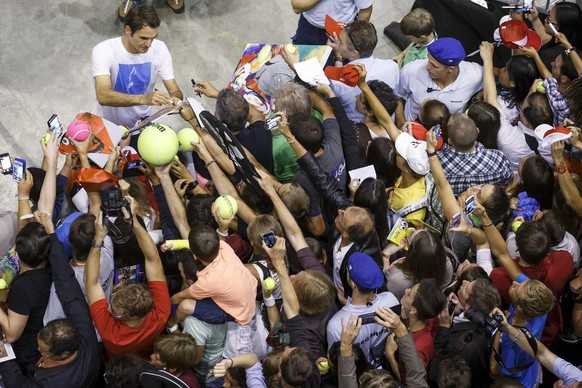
227	281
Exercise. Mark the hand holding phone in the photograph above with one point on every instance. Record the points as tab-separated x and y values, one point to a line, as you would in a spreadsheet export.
19	169
437	131
55	125
470	204
269	239
456	220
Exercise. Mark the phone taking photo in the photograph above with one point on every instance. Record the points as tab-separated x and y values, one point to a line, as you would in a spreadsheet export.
6	164
437	131
19	169
456	220
527	5
470	204
269	239
272	122
55	125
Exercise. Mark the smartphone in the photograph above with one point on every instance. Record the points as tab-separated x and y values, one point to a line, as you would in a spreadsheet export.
19	169
527	5
55	125
554	31
6	164
437	131
456	220
127	274
451	308
269	239
368	318
272	122
397	309
470	204
135	164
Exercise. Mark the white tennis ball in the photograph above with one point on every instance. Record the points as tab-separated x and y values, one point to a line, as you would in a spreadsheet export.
186	136
227	206
157	144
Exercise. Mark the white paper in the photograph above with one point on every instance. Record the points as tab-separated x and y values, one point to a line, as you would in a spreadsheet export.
197	108
362	173
310	71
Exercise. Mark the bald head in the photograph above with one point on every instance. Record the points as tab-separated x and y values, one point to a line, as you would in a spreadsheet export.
359	224
462	132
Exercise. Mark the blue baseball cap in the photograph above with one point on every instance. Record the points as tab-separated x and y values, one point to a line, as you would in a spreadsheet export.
448	51
364	271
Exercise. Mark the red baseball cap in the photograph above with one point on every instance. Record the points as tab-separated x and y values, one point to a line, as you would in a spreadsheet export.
515	34
348	74
331	26
419	133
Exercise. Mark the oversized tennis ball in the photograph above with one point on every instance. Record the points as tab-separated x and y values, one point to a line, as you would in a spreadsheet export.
3	284
46	137
540	87
186	136
157	144
79	130
227	206
269	284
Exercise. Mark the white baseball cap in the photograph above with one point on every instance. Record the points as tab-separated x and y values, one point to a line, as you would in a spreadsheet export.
414	152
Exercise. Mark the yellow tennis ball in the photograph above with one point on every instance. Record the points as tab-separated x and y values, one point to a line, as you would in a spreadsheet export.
323	366
515	225
269	284
46	137
157	144
227	206
186	136
3	284
540	87
290	48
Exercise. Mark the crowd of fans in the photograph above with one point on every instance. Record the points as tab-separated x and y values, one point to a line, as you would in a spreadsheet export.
146	282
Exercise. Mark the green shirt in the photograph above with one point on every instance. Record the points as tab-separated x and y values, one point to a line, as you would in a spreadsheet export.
416	52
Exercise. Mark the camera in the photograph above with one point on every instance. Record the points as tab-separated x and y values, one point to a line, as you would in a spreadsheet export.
119	229
488	323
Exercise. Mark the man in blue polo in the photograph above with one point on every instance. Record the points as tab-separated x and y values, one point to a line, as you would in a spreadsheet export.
443	76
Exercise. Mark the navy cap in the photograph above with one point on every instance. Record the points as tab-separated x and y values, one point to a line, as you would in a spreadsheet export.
447	51
364	271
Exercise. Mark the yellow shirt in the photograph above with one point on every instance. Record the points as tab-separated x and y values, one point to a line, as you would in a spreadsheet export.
406	196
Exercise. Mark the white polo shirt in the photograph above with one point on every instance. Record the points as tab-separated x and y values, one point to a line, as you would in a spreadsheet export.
340	10
385	70
511	141
417	86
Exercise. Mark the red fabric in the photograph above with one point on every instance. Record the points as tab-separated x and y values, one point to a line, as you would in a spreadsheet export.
424	343
120	339
554	271
189	378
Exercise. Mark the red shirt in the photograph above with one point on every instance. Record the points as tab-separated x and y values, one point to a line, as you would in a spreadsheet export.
554	271
120	339
424	343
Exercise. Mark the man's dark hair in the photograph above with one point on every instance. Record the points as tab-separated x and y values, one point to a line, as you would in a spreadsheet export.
204	242
81	236
232	109
505	382
454	372
484	296
382	154
429	300
538	110
124	372
359	232
532	242
140	17
363	37
296	367
198	211
555	226
385	94
190	268
61	336
257	200
32	244
38	175
308	130
568	69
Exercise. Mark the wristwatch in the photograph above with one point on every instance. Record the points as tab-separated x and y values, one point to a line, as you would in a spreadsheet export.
569	51
561	169
97	245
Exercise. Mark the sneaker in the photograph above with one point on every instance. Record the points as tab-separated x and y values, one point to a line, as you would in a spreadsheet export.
176	5
569	336
125	6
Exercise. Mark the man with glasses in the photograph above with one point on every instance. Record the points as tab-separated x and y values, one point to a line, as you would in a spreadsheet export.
356	44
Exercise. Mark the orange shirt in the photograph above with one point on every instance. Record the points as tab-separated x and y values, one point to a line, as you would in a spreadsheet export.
120	339
229	284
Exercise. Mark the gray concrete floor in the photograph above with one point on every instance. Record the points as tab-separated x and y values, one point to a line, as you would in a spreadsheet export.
45	56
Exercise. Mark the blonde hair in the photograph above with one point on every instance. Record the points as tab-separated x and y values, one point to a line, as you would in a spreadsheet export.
417	22
315	292
135	299
537	299
262	224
